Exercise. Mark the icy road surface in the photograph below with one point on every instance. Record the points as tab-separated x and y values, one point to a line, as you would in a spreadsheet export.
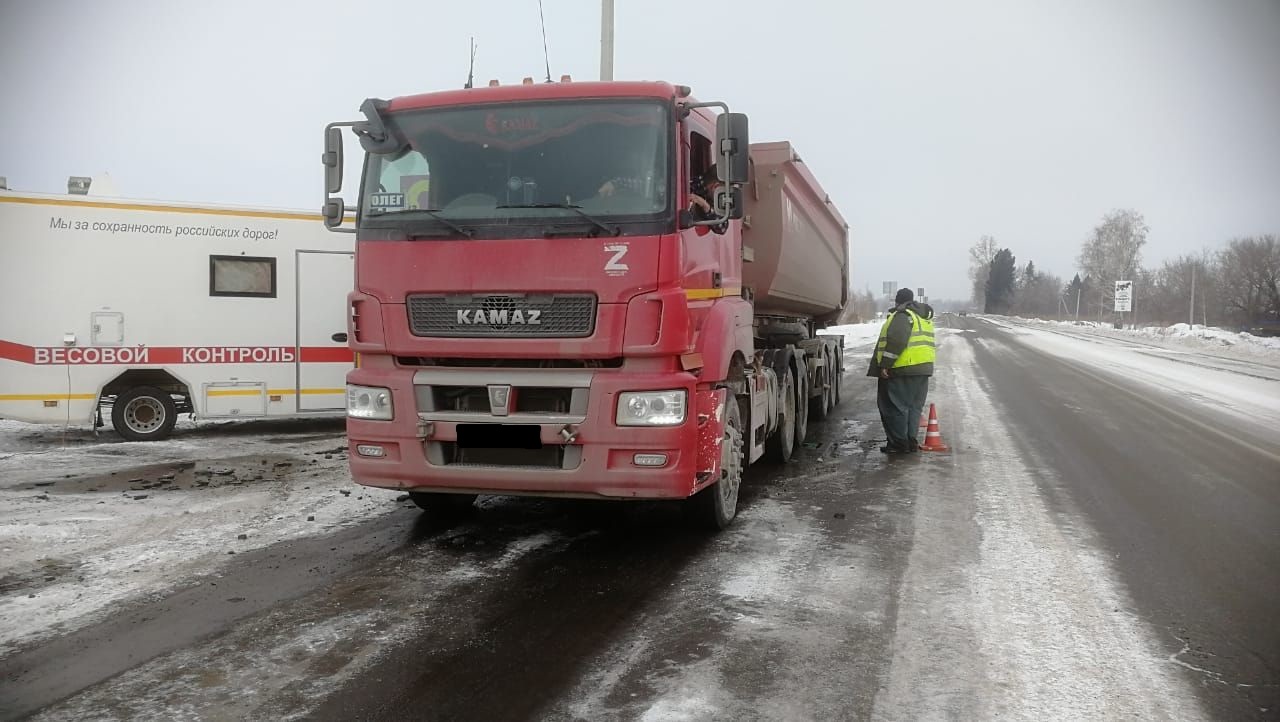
1100	543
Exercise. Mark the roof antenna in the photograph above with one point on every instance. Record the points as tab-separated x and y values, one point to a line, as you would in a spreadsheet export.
545	55
471	72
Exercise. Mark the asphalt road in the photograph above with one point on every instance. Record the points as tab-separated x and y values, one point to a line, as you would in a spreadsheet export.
1088	548
1185	498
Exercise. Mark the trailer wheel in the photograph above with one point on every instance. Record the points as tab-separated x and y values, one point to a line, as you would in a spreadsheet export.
715	506
144	413
802	403
819	405
443	505
839	377
783	442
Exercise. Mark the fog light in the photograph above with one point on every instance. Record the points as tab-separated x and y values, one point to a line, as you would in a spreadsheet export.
370	450
650	459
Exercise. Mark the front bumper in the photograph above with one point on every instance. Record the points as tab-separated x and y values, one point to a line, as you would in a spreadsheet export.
592	456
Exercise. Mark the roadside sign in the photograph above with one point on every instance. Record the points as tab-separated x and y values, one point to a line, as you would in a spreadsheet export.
920	292
889	287
1124	296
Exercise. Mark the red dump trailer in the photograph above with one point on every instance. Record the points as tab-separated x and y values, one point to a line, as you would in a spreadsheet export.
539	310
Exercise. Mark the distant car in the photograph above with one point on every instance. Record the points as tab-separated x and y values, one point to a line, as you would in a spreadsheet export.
964	313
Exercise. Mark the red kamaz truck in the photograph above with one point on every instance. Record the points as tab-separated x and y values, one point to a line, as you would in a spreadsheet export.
543	306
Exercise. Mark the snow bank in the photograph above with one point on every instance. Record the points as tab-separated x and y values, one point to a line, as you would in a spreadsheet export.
1180	335
855	335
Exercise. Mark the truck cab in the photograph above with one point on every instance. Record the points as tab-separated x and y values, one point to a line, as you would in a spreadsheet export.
540	306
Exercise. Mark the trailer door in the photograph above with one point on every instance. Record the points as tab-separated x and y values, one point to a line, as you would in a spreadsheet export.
324	279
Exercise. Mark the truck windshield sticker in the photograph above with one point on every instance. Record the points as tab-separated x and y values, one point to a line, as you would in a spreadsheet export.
386	201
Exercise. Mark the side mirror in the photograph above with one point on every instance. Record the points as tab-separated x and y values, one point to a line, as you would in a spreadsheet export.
733	197
731	146
332	159
334	211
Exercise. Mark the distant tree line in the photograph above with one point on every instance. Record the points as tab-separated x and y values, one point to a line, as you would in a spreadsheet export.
1235	286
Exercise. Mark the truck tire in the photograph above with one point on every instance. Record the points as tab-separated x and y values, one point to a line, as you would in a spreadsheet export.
144	413
715	506
802	401
838	377
443	505
782	443
819	405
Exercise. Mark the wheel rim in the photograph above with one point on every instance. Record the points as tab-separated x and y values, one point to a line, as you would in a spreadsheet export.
730	465
144	415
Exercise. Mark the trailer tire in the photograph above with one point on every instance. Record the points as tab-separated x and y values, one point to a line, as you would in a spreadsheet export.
443	505
782	443
802	401
144	413
819	405
839	376
715	506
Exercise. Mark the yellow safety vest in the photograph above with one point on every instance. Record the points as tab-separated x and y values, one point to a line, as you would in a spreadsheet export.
920	346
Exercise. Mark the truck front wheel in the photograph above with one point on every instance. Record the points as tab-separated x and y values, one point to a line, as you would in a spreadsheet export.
144	413
715	506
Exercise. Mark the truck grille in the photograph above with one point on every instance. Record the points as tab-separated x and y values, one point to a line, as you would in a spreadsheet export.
561	315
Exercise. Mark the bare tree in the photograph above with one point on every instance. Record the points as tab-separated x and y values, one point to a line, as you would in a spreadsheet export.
1114	249
981	253
1039	293
1183	288
1251	280
862	306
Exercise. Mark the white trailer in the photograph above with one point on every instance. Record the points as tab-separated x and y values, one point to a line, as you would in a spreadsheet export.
139	311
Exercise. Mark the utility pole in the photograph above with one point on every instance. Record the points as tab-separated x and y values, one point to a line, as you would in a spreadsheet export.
606	39
1192	313
1078	290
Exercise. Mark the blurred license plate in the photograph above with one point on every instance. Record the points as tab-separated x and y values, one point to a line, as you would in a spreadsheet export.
499	436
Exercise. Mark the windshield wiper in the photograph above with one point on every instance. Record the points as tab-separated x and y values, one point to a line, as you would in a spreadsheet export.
611	230
434	213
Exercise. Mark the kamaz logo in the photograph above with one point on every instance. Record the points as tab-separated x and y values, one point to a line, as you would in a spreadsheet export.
496	317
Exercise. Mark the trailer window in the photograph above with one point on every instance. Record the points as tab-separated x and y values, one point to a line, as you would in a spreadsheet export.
247	276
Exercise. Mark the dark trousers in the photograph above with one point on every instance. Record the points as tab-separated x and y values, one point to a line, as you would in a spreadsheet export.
901	401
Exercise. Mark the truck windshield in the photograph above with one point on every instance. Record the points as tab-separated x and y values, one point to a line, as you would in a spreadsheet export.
524	164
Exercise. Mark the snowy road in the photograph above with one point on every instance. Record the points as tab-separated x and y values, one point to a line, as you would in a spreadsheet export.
1101	542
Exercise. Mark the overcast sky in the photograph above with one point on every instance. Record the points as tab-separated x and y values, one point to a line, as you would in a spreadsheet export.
929	124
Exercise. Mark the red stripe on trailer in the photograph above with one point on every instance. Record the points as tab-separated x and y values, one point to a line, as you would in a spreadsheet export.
170	355
327	354
17	352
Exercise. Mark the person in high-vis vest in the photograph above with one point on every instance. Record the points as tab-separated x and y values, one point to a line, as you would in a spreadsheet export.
903	362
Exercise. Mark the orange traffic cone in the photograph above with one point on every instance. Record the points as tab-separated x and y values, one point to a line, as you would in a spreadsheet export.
933	437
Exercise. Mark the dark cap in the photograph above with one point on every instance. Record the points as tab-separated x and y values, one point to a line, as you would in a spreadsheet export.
904	296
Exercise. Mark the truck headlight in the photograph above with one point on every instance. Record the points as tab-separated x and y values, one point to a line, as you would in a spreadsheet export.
369	402
651	408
